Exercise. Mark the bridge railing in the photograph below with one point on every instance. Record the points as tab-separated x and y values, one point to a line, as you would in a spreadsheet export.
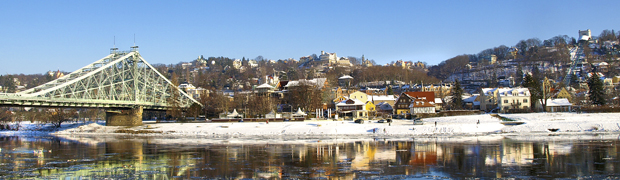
10	94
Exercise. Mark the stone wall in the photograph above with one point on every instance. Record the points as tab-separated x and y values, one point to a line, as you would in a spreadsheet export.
131	117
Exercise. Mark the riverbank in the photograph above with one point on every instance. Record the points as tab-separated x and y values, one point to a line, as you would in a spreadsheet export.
472	125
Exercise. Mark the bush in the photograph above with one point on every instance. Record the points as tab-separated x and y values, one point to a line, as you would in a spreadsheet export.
599	109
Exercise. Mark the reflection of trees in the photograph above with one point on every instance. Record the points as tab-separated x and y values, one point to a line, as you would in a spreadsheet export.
500	159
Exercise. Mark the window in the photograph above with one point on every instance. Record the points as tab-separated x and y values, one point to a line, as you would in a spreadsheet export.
505	101
524	100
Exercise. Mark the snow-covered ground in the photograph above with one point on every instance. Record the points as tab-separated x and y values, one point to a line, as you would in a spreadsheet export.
534	124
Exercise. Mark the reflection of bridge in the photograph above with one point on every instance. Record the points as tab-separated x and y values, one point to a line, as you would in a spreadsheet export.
121	80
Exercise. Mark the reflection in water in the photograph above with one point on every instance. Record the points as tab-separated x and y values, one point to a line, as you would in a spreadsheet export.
51	157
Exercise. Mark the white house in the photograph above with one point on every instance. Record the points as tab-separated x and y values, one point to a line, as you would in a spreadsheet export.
505	99
352	108
556	105
421	106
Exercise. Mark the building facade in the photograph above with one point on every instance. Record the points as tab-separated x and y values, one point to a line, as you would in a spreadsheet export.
505	100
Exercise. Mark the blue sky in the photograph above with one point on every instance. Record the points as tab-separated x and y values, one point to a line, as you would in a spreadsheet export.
37	36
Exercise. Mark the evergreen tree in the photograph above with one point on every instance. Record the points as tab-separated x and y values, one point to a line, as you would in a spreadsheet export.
519	76
596	92
389	90
534	86
574	82
9	84
457	95
536	74
493	80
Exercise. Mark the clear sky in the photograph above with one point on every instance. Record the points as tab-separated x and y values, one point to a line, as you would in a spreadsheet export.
37	36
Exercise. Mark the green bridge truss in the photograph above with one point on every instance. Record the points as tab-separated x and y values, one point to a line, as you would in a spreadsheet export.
123	79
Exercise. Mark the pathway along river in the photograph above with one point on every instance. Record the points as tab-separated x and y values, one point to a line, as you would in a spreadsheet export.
48	157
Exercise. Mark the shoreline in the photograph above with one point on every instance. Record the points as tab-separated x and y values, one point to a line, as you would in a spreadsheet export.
534	126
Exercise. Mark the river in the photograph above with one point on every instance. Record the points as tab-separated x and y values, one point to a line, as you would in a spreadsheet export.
132	157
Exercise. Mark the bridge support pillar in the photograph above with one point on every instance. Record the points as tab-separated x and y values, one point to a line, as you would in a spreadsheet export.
132	117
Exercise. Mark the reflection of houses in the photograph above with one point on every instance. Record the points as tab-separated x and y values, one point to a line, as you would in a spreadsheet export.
518	154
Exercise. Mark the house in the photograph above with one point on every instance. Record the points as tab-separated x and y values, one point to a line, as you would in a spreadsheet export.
384	107
438	104
237	63
195	93
401	106
345	80
565	94
376	99
359	96
252	63
265	89
329	58
555	105
318	83
352	108
505	99
421	106
472	102
343	61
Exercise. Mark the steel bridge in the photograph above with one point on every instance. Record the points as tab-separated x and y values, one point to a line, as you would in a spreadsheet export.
120	80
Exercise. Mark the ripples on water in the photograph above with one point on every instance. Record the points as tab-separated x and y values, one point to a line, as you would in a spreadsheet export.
56	158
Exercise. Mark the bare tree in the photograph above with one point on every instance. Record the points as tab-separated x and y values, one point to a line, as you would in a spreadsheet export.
174	111
57	116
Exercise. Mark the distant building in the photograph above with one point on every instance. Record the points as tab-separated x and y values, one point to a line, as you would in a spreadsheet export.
585	35
330	58
252	63
345	80
201	61
366	62
56	74
343	61
492	59
237	63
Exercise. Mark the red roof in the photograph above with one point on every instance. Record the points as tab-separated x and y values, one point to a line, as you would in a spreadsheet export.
421	103
430	96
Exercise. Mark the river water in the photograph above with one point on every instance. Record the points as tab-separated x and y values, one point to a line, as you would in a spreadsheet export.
49	157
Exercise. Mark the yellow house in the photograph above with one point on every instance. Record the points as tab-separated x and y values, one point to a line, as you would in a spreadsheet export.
359	96
564	94
370	106
339	99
